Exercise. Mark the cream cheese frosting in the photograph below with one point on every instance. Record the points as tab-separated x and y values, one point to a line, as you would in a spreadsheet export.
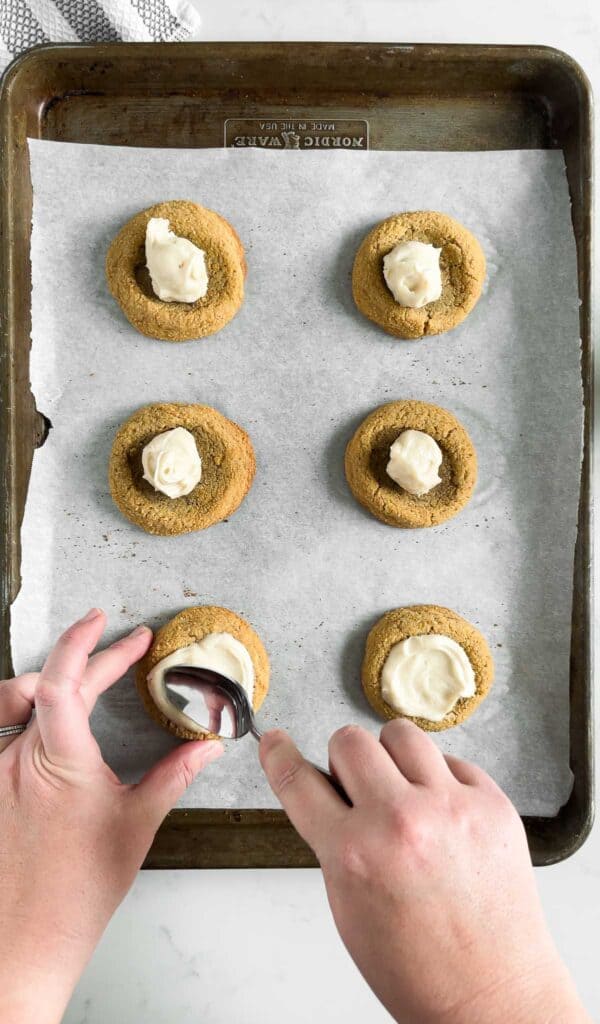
415	459
177	267
425	676
172	463
412	273
218	651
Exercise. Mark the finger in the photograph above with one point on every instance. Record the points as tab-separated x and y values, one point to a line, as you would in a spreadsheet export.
162	786
469	774
466	773
62	715
16	703
106	667
311	803
215	702
214	720
415	753
16	699
363	766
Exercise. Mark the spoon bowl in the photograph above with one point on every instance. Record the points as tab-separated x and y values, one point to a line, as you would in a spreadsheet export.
218	705
212	701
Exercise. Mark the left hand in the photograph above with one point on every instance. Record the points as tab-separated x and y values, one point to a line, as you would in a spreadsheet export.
72	836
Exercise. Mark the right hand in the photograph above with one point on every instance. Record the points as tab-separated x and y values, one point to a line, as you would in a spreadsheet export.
429	879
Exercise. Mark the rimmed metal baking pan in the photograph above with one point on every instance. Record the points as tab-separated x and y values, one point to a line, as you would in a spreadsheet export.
281	95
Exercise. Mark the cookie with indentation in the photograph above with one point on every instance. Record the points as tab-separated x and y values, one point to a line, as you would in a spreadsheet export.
189	627
420	620
130	284
367	456
462	266
228	468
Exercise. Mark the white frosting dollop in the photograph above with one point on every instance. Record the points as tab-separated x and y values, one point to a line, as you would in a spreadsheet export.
412	273
177	267
172	463
424	676
219	651
415	459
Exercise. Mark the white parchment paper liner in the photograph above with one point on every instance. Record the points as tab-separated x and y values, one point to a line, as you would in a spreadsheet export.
299	368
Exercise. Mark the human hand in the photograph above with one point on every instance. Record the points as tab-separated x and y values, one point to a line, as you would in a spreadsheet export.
72	837
429	879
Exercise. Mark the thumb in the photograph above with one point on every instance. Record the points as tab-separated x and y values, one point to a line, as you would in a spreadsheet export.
163	784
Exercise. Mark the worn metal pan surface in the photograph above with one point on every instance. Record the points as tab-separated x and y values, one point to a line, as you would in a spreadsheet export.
309	95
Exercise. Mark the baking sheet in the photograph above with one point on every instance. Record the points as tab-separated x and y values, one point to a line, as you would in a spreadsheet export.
299	368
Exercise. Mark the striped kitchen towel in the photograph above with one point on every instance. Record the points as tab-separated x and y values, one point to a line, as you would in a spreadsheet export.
25	23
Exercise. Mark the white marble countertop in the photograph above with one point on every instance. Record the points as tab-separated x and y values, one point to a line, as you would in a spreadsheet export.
167	956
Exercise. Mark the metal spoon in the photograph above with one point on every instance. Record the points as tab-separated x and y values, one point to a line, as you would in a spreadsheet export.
219	705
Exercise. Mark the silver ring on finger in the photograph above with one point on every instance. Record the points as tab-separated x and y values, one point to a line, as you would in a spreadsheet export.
11	730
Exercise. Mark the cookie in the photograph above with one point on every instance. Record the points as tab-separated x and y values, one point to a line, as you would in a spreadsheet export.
420	620
188	627
228	467
130	284
462	266
367	456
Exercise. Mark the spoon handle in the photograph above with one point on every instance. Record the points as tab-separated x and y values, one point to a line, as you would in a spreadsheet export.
255	731
333	782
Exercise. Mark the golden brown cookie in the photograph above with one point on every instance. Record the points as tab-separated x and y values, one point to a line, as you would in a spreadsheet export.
189	627
228	467
418	620
130	284
462	265
367	456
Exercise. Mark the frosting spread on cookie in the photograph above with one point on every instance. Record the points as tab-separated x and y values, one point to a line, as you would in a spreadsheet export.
218	651
415	459
177	266
412	273
424	676
172	463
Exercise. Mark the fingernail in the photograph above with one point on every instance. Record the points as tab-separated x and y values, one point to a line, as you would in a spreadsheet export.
92	614
139	630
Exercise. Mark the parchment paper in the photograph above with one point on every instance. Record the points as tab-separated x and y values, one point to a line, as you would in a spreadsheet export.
299	368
